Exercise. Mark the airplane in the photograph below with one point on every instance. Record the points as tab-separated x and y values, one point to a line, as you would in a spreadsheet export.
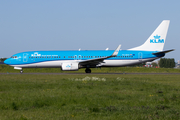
73	60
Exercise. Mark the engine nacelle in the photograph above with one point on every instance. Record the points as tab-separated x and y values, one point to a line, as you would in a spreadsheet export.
70	66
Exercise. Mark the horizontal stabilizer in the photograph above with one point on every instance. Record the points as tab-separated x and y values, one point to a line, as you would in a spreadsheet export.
166	51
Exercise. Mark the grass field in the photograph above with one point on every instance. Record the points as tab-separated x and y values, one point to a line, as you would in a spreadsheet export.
74	97
9	69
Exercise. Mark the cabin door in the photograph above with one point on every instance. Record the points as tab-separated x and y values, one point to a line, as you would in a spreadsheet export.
75	57
140	55
25	57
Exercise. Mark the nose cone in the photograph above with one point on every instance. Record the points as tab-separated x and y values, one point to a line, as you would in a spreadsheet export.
7	61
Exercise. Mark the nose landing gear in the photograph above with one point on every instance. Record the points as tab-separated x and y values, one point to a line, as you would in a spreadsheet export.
88	70
21	71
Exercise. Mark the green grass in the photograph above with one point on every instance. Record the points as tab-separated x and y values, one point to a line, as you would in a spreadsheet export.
44	97
9	69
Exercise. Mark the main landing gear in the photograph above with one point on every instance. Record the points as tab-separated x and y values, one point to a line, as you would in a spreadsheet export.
88	70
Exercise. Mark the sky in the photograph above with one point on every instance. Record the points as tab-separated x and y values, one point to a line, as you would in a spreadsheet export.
31	25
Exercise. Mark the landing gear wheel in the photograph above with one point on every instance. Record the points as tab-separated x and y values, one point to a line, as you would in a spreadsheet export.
21	71
88	70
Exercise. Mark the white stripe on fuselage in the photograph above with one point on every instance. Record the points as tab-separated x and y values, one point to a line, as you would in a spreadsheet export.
106	63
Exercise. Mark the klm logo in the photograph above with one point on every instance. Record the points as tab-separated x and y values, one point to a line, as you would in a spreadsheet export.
157	39
68	66
36	54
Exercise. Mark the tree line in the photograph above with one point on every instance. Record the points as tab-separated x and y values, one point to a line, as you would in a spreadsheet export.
167	63
163	63
2	59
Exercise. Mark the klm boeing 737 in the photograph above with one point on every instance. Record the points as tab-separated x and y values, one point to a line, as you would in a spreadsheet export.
73	60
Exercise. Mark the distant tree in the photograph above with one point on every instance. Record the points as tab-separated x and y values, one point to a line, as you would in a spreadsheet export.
161	63
173	64
154	64
2	59
167	63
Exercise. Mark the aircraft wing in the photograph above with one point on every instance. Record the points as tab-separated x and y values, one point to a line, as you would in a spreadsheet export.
99	60
166	51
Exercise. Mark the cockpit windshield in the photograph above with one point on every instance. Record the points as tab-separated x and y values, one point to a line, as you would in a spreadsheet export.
14	57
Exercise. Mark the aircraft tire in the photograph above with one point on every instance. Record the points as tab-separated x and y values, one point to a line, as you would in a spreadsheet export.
88	70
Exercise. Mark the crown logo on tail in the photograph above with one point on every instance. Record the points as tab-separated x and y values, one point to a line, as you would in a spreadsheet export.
157	39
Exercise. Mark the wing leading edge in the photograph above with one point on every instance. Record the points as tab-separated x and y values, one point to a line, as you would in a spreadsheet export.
97	61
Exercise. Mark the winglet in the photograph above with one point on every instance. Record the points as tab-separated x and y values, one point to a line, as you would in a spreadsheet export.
116	51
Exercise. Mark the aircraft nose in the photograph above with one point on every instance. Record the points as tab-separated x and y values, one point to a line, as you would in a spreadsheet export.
7	61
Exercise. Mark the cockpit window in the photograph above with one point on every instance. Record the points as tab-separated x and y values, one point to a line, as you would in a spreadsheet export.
14	57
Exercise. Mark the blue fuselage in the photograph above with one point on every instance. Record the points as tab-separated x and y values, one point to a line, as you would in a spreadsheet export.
26	59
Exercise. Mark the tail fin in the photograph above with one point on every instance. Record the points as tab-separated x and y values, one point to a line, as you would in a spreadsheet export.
157	39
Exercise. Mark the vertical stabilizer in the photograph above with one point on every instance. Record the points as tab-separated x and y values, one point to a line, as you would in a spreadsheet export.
157	39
